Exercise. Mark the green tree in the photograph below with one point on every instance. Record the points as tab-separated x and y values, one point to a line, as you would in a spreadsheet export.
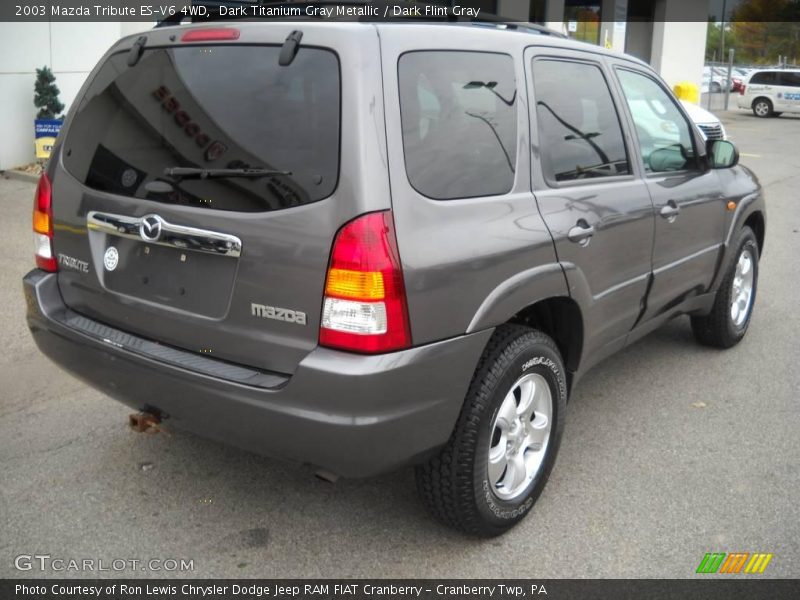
767	29
714	42
46	95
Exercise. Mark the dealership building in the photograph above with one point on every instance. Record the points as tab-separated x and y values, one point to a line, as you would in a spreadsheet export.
668	34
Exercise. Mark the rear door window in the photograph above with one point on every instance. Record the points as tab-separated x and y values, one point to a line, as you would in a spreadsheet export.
459	119
211	107
579	128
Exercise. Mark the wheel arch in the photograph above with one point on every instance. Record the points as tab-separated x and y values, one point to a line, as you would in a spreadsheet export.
560	317
539	297
755	221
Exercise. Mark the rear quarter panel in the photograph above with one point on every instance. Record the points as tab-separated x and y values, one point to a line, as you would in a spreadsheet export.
469	264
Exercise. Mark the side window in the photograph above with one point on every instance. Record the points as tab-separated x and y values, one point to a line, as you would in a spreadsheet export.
665	137
579	129
459	120
764	78
790	79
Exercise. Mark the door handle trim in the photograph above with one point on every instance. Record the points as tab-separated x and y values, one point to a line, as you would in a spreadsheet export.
581	233
670	210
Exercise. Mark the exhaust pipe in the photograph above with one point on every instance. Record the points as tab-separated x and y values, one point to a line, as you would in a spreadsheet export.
144	422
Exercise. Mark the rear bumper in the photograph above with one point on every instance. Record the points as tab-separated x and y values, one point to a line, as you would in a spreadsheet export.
352	415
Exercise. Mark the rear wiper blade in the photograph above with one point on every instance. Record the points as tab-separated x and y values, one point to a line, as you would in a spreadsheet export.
197	173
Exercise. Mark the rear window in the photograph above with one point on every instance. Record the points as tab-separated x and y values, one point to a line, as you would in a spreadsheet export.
459	118
211	107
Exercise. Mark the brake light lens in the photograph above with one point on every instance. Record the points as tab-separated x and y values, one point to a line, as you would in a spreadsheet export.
43	226
365	308
742	89
211	34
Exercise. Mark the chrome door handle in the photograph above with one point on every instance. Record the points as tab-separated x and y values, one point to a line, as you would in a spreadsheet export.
670	210
581	233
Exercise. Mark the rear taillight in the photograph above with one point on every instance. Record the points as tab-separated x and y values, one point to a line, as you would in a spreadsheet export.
365	306
43	225
742	89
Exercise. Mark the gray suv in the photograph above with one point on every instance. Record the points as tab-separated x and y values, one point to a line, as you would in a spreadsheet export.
361	246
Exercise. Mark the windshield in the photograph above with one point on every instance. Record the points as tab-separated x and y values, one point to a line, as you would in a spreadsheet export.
211	107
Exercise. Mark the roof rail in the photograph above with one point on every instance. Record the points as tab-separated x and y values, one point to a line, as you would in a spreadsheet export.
213	13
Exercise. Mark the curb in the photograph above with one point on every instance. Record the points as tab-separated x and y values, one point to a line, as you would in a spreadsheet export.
20	176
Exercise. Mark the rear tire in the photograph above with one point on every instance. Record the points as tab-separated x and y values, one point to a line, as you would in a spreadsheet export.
727	323
762	108
519	379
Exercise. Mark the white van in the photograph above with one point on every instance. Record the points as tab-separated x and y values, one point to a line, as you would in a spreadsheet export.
771	92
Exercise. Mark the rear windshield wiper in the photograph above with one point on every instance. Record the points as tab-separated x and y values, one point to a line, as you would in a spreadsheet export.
197	173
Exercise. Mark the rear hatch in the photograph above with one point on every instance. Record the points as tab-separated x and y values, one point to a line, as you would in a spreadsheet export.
228	264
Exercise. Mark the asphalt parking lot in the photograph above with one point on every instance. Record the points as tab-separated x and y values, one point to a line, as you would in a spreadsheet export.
671	450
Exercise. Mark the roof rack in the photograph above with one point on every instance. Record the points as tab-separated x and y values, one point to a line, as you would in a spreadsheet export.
212	8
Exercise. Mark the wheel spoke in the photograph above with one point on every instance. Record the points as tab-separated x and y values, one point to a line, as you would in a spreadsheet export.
744	264
528	390
536	439
540	422
515	474
533	460
497	463
508	412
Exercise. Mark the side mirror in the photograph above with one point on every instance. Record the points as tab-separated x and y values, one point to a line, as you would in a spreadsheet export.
722	154
670	158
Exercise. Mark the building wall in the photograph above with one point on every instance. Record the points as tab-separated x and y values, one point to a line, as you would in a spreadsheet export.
679	41
71	50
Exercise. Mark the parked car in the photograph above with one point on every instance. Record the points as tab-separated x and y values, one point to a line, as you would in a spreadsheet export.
771	92
708	123
715	80
332	244
739	78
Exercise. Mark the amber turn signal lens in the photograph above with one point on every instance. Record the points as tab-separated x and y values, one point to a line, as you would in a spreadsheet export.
41	222
362	285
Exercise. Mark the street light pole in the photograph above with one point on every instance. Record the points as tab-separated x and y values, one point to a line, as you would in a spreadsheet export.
722	31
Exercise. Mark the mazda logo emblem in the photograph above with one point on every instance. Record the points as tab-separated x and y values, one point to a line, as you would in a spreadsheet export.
150	228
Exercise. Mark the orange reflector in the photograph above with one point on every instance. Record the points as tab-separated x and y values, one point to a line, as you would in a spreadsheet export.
731	205
362	285
41	222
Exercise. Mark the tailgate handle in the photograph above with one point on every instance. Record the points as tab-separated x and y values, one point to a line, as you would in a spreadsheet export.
156	230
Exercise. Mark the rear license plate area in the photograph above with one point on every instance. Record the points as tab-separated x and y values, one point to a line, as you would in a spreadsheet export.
196	282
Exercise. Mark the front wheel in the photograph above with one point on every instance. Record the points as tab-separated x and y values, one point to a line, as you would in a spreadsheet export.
727	323
490	473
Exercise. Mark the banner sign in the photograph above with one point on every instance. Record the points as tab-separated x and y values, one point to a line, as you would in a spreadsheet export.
46	132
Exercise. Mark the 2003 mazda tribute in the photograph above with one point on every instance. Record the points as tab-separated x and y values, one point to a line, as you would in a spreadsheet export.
366	245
